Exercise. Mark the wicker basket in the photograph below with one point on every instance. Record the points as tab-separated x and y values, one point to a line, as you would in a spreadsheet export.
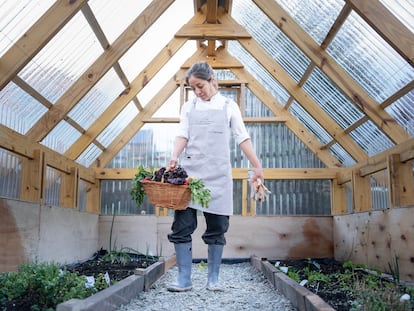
167	195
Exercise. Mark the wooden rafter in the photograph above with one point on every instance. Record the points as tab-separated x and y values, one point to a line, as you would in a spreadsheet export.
387	26
124	98
97	70
306	101
23	51
129	93
136	124
294	125
333	70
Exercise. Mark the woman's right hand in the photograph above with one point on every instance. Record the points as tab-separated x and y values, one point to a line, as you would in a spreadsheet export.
173	163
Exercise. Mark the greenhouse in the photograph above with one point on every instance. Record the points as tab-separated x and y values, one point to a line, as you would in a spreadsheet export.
92	90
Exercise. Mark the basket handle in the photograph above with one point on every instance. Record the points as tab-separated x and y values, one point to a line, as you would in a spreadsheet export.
167	169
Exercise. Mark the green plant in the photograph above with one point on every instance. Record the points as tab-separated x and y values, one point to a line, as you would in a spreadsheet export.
137	191
47	282
199	194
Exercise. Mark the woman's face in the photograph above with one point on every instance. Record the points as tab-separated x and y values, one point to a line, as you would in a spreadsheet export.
202	88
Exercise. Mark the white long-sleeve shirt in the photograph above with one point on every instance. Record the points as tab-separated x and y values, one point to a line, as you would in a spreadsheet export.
235	119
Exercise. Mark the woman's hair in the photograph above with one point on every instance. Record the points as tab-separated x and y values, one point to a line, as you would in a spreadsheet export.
200	70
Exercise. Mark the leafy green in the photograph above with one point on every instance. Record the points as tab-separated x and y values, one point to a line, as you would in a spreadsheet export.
199	194
137	191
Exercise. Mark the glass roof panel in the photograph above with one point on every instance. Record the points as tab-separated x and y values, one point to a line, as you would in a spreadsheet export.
316	17
63	60
166	73
369	59
61	137
371	139
259	72
270	38
119	124
18	110
146	48
343	156
97	100
89	155
306	119
330	98
403	10
16	17
115	16
171	107
402	110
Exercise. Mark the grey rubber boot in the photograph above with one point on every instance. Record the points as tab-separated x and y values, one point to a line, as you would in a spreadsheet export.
215	253
184	254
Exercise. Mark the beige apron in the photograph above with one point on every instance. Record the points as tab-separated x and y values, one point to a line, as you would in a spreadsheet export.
207	156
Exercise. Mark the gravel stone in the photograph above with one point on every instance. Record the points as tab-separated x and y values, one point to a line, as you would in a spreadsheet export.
245	288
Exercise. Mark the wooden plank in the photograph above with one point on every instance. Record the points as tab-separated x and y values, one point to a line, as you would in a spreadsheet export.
222	60
333	70
21	145
212	7
237	173
68	189
310	105
124	98
293	124
361	192
31	178
98	69
387	25
212	32
33	40
339	198
400	182
379	162
133	127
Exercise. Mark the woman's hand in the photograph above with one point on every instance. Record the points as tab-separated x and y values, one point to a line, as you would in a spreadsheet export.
258	174
173	163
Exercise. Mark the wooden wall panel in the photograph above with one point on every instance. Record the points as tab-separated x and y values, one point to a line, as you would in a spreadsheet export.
266	237
375	238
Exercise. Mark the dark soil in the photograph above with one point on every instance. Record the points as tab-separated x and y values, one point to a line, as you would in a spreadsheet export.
340	290
332	293
118	268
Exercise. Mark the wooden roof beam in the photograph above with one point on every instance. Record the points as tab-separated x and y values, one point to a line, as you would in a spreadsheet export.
387	26
98	69
136	124
304	99
333	70
124	98
292	123
33	40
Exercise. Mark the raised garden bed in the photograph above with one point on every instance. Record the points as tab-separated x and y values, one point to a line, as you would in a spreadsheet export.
326	284
44	286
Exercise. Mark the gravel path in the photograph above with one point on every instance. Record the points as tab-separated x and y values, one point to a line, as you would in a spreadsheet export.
246	288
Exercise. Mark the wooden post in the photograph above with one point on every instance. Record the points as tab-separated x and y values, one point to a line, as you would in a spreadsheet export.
93	202
338	199
32	185
361	192
400	181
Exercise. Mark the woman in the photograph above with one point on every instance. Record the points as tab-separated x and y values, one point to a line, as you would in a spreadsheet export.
205	127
